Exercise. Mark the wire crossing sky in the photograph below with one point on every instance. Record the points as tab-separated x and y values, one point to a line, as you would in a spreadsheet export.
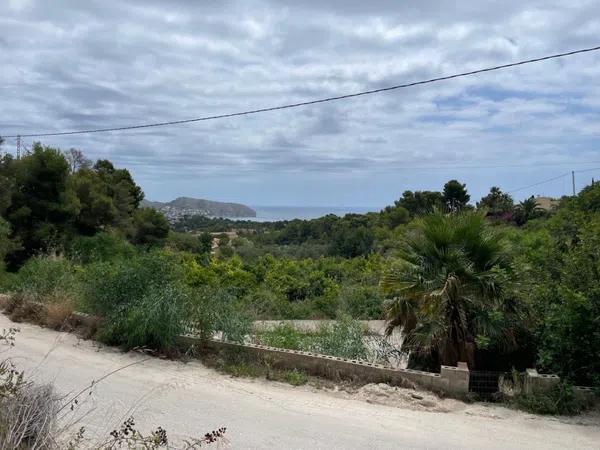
322	100
77	67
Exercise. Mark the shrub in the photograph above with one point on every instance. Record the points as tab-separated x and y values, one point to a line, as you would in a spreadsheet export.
101	247
155	320
58	313
46	278
143	300
28	417
110	285
217	310
344	339
28	412
362	302
560	400
295	377
283	336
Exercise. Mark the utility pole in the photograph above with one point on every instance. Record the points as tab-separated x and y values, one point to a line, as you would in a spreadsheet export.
19	146
573	180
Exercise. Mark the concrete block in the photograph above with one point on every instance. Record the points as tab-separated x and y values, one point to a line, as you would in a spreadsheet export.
537	382
455	379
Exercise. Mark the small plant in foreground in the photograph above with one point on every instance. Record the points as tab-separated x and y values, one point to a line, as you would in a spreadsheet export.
295	377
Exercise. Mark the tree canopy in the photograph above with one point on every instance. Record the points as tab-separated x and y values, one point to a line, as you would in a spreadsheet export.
455	195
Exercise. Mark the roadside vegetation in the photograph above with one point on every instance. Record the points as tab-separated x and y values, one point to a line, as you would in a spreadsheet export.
502	284
35	416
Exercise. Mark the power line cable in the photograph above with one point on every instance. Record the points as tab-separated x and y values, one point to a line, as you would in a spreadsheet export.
538	183
587	170
551	179
508	166
313	102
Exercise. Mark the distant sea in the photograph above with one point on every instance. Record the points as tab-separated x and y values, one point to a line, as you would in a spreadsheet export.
275	213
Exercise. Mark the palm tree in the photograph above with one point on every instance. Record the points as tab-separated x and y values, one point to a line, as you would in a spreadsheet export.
527	210
446	286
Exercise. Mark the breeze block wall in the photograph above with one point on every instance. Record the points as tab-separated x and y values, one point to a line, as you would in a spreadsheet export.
452	380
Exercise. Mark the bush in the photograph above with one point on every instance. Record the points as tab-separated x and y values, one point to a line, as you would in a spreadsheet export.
58	313
28	417
295	377
216	310
46	279
143	299
284	336
110	285
28	412
361	302
101	247
155	320
560	400
344	339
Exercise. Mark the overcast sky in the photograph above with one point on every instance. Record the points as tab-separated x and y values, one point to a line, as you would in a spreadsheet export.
69	65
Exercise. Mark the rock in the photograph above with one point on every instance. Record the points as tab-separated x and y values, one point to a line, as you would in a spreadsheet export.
416	396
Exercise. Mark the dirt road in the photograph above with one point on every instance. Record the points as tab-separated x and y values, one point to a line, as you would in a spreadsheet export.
190	399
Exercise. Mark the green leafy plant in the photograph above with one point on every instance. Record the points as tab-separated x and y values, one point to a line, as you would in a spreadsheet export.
560	400
344	338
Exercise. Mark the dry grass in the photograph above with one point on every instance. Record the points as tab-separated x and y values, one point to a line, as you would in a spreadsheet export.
58	314
20	309
28	419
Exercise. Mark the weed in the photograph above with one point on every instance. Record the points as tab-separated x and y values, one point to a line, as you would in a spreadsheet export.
244	370
295	377
560	400
284	336
344	339
58	313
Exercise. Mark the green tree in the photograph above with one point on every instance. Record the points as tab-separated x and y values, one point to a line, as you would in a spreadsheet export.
351	237
496	202
119	185
420	202
446	290
392	216
559	259
41	207
6	244
455	194
7	181
150	227
527	210
589	198
96	206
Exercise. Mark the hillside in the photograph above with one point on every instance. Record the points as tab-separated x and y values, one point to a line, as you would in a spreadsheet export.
183	206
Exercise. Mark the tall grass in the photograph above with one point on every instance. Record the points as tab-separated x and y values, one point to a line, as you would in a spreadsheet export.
47	279
142	299
344	338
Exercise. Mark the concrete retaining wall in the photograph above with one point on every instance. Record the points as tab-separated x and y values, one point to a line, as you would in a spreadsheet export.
452	380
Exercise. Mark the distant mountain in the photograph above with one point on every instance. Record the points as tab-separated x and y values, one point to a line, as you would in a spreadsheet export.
187	206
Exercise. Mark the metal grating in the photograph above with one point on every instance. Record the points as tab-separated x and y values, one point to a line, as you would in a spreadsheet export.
484	383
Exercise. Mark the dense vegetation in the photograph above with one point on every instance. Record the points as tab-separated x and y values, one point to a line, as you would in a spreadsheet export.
498	285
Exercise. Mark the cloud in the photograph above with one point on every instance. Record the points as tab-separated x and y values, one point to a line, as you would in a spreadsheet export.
76	65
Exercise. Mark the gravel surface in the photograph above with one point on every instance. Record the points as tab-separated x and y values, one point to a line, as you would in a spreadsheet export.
188	399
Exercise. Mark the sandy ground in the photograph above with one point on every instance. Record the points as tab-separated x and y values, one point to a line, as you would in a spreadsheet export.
188	399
